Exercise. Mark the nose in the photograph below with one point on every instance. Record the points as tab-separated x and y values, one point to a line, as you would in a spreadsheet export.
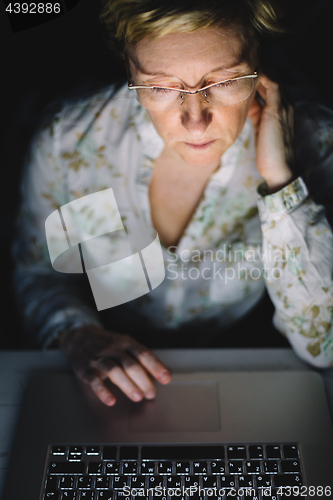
196	115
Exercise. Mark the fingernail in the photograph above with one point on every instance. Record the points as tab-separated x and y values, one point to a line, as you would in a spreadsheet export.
137	396
110	400
165	376
150	394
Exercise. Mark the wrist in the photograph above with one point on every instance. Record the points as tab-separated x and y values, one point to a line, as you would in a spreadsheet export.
276	184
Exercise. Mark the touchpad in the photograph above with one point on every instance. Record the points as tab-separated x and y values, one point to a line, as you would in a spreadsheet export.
178	406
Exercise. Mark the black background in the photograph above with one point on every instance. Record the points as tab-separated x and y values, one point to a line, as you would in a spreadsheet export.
41	63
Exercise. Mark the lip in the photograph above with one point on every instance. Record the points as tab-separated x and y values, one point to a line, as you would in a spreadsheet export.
202	145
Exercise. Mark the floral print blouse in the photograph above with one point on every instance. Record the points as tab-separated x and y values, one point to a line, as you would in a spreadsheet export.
237	242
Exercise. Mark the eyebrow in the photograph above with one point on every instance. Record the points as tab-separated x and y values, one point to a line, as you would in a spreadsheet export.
147	73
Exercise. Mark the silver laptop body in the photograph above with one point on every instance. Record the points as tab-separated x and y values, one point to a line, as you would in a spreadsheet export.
198	408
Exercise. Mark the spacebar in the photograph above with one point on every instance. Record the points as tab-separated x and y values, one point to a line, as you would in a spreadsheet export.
182	452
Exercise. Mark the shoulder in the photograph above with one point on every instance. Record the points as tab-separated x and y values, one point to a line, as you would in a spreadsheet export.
313	136
84	110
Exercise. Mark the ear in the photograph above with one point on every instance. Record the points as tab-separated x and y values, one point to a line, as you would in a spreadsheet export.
255	112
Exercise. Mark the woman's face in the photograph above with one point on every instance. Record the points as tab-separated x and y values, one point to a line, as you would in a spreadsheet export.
196	131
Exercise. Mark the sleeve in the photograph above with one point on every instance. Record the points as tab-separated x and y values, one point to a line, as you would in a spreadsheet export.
298	268
50	302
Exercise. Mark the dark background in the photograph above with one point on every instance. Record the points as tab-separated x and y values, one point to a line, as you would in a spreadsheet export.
41	63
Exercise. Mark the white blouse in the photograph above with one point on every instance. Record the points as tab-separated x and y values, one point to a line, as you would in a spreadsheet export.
236	243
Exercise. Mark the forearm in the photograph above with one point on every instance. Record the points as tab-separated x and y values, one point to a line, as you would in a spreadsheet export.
51	303
297	253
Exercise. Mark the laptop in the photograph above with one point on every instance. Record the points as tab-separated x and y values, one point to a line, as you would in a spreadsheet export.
221	435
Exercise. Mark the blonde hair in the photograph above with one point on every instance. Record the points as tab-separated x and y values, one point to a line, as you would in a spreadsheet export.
129	21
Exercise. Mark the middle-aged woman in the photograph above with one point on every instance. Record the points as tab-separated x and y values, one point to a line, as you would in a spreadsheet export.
199	147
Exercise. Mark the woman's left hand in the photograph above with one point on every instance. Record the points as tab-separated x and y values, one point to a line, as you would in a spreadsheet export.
273	124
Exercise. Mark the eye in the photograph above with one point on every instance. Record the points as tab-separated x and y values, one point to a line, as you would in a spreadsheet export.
157	90
229	83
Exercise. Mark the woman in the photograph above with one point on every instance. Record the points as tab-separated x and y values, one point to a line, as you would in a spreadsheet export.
187	159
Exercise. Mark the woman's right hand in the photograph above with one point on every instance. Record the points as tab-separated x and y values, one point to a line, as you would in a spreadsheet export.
97	354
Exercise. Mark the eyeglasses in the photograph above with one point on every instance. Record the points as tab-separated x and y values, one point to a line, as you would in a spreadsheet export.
222	93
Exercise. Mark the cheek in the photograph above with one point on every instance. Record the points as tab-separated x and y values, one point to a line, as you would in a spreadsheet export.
167	124
229	121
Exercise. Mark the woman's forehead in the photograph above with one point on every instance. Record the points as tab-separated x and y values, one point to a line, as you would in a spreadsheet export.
203	51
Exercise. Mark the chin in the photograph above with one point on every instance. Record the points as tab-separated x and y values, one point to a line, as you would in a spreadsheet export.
197	158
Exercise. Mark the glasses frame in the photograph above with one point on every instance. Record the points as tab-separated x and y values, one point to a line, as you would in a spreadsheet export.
184	91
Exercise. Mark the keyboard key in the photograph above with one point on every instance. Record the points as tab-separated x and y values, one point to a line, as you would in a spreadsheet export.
129	452
290	466
92	450
67	467
51	495
209	481
191	481
112	468
235	467
228	481
69	495
130	467
174	481
84	482
200	467
86	495
271	495
67	482
120	495
182	452
263	481
183	467
256	452
271	466
95	467
75	450
164	468
236	452
253	467
245	481
51	483
154	481
273	451
290	451
109	452
105	495
75	458
148	467
138	481
102	482
58	450
288	480
217	467
119	482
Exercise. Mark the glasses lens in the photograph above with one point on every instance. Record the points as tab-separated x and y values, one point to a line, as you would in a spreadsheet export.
160	99
231	92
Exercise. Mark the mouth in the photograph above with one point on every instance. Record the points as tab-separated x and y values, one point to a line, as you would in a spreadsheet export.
199	146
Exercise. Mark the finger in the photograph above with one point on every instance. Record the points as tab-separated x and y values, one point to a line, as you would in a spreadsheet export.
102	392
91	376
118	376
269	91
152	364
140	376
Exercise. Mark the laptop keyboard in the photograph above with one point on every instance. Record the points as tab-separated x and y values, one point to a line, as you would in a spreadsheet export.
173	472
